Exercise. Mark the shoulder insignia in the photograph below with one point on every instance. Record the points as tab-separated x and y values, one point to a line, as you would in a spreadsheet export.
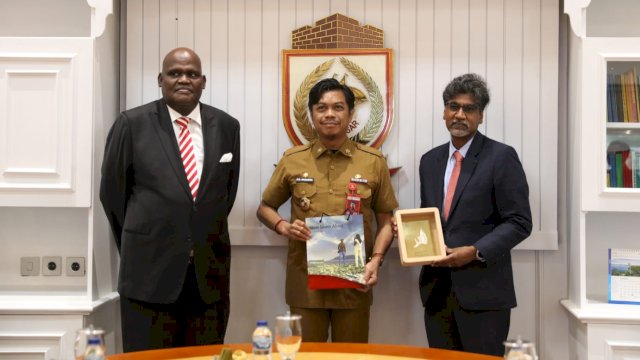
369	149
297	149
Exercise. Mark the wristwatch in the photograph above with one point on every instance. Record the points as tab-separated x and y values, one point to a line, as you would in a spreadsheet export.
380	255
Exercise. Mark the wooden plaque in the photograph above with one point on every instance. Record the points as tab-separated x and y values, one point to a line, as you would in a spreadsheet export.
420	236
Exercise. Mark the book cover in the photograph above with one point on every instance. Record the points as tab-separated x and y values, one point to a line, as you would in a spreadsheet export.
336	252
618	96
627	174
619	169
636	168
611	162
611	105
624	276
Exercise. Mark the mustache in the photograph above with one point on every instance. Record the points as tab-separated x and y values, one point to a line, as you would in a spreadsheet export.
458	123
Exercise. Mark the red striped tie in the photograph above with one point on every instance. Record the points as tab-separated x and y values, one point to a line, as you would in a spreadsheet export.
188	156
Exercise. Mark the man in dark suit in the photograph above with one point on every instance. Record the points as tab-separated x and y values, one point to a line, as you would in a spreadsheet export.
169	180
469	294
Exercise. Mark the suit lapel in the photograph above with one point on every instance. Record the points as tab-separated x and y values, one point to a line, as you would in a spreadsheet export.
440	169
167	137
210	138
468	167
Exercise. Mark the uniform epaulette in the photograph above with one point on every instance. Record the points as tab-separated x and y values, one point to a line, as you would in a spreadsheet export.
369	149
297	149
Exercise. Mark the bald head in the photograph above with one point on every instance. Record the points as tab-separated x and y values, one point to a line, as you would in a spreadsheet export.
181	80
181	53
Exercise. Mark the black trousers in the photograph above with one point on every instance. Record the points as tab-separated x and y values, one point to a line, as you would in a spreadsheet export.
186	322
449	326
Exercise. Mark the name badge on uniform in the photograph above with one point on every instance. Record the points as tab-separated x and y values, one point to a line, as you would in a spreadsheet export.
304	178
358	179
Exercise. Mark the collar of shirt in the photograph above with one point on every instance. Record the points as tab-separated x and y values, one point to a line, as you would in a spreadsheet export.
463	150
347	148
194	115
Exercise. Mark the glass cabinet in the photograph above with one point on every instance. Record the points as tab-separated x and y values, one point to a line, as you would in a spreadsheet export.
623	124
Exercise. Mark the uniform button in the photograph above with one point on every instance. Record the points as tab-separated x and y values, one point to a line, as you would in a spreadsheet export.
303	192
332	167
330	191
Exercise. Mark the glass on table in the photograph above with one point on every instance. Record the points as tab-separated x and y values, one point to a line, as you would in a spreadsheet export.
288	335
519	350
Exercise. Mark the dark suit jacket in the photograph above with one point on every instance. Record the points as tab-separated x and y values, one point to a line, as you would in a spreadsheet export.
490	210
156	223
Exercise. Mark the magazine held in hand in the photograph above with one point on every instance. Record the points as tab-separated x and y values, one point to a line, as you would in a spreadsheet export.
336	252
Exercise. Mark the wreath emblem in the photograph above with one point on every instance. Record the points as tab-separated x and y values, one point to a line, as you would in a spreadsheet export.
300	111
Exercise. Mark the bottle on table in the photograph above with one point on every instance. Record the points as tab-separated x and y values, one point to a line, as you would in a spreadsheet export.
95	349
262	341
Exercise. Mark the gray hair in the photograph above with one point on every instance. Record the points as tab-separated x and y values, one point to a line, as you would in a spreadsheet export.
472	84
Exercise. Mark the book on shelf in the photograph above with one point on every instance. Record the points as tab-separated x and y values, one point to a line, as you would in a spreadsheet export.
624	276
623	167
623	96
336	252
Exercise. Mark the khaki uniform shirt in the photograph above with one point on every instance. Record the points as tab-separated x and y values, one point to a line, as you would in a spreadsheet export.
312	173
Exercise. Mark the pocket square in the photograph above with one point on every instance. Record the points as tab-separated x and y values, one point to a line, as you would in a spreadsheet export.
226	158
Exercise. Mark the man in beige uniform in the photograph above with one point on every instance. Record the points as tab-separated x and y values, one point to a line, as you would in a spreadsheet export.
316	177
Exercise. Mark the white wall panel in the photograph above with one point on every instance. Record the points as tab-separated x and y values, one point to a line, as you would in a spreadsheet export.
253	112
304	13
391	24
373	13
356	10
238	101
42	156
134	56
426	97
270	105
150	46
405	90
219	74
495	113
202	40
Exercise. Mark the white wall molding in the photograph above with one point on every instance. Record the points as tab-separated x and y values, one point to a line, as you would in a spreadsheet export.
577	11
100	9
621	350
43	156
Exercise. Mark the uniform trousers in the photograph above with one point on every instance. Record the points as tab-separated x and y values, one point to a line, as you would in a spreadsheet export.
449	326
346	325
186	322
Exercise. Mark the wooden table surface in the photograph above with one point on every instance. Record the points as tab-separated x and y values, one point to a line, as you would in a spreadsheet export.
347	348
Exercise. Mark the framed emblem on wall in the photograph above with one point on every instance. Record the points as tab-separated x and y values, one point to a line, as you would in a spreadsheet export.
368	72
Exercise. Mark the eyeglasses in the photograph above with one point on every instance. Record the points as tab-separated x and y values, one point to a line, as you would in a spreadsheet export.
467	108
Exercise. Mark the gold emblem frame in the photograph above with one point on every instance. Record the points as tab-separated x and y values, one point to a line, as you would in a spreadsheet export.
368	72
420	238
